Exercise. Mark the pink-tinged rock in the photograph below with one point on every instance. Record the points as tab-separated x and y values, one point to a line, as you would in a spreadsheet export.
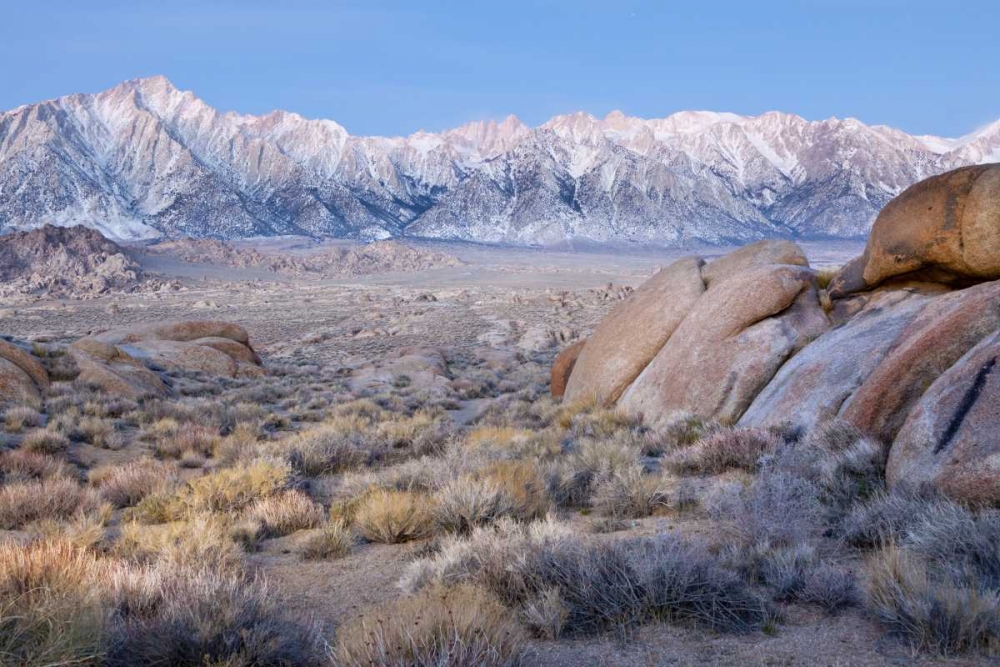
730	345
946	329
812	386
633	333
950	439
562	368
751	256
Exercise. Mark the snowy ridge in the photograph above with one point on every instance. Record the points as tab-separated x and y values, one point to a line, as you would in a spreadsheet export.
144	159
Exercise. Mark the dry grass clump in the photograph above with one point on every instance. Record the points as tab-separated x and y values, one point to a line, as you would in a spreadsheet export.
394	516
632	494
725	449
590	461
60	604
614	585
99	432
58	498
202	541
329	448
191	442
19	417
234	489
460	627
334	540
126	485
45	441
285	513
21	465
467	502
677	432
938	615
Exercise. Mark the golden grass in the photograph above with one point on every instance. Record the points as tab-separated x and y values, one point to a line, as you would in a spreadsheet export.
20	417
235	489
126	485
22	465
285	513
59	498
394	516
459	627
333	540
45	441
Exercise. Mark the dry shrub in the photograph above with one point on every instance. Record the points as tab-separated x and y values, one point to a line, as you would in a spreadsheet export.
328	448
468	502
333	540
242	443
19	417
460	627
21	465
725	449
612	585
59	498
524	485
632	494
45	441
60	604
128	484
99	432
192	441
285	513
496	437
941	616
678	431
234	489
201	541
394	516
572	478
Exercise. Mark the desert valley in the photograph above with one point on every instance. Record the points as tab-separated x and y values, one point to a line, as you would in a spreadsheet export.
284	451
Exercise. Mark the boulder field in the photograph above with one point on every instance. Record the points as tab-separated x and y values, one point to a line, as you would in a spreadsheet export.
135	362
902	342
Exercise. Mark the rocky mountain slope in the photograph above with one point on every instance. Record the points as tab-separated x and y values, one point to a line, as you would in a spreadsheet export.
66	261
378	257
144	160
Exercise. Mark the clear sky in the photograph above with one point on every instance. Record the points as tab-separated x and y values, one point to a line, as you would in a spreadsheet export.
925	66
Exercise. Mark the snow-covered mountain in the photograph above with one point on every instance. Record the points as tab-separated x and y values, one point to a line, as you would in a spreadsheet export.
145	159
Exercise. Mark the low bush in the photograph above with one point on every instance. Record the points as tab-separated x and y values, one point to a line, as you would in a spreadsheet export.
128	484
603	586
19	417
724	449
18	465
631	494
459	627
45	441
285	513
333	540
234	489
394	516
59	498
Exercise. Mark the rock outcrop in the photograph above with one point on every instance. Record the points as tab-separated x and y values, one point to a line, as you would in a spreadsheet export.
72	262
945	228
635	331
950	440
23	379
129	361
902	345
197	346
563	367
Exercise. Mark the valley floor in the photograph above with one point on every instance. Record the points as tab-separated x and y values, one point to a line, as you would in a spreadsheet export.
467	343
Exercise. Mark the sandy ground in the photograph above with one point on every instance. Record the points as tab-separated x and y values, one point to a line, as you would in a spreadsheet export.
521	302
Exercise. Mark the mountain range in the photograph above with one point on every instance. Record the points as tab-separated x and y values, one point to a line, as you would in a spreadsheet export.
145	160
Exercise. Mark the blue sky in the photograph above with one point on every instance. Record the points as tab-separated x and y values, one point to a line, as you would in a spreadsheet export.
396	67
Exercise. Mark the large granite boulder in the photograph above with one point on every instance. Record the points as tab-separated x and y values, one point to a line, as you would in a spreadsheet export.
945	228
200	346
114	371
946	329
23	379
633	333
730	345
761	253
563	366
813	386
950	439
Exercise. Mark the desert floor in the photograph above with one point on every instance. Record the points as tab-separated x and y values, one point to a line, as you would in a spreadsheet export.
513	305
